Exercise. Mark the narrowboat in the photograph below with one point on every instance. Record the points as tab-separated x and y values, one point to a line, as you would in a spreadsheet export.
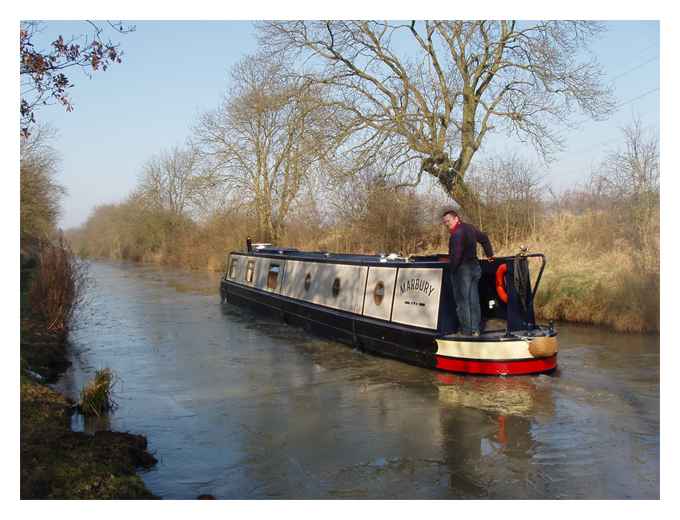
399	307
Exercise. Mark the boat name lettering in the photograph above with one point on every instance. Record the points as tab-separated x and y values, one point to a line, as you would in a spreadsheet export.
416	284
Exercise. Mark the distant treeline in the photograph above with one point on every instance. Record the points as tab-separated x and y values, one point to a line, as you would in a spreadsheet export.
601	238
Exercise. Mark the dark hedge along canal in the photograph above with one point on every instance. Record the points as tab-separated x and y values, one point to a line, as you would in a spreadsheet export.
240	407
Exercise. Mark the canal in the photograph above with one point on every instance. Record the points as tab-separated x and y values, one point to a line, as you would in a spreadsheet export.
237	406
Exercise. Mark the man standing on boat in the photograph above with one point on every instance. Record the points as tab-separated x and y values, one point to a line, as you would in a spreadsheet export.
465	270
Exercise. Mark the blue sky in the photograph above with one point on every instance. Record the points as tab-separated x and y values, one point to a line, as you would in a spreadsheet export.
172	71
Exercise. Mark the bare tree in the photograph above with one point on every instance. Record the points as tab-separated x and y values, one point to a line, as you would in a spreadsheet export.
628	179
175	181
633	172
266	139
509	191
40	194
431	91
43	70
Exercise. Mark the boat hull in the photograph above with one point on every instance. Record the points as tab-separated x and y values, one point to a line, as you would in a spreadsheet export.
421	347
515	367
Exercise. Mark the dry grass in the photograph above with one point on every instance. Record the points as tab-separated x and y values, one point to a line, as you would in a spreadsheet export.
595	277
95	397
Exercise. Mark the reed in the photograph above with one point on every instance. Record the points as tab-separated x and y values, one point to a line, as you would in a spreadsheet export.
96	396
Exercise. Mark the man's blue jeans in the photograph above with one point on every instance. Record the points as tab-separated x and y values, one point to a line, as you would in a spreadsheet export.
466	292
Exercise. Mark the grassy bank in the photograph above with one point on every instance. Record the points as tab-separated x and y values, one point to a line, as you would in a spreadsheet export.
605	290
594	277
55	461
59	463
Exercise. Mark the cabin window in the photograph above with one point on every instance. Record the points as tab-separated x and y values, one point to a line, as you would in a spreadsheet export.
250	270
273	276
308	281
378	293
232	268
336	287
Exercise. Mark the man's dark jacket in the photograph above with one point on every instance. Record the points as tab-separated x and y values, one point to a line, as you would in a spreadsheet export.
463	245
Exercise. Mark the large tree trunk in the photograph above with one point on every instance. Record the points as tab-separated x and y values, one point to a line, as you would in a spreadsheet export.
451	177
466	198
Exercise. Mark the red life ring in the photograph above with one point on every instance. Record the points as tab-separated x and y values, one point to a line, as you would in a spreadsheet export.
500	282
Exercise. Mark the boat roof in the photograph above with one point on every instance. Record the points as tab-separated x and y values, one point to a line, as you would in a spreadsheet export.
347	258
391	260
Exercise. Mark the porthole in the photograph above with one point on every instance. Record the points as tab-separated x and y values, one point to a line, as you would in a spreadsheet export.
336	287
308	281
378	293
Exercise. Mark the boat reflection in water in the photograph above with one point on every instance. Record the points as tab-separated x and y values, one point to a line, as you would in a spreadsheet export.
502	396
488	442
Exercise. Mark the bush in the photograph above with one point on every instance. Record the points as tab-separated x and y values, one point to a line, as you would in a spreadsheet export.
57	287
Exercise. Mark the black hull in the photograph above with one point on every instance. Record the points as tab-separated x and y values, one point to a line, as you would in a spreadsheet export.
374	336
